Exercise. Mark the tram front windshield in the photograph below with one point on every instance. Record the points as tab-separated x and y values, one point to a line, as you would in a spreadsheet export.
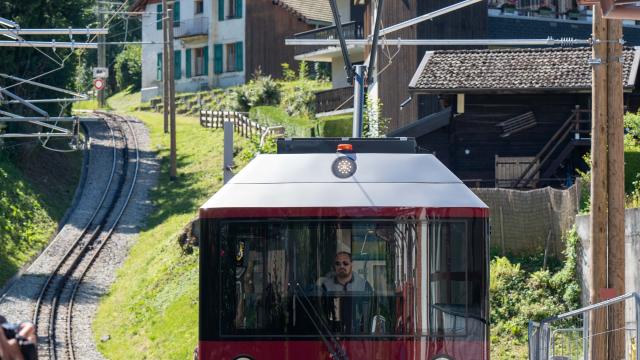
352	278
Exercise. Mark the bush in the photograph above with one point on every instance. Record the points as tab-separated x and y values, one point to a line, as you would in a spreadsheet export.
262	90
300	100
128	68
517	296
274	116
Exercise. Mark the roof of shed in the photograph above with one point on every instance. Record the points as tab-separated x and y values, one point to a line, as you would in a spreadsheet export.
513	70
308	10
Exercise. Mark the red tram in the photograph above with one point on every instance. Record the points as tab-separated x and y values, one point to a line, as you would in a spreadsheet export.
344	249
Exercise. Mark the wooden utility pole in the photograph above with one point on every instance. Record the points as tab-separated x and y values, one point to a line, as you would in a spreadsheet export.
607	188
172	100
165	66
598	318
615	170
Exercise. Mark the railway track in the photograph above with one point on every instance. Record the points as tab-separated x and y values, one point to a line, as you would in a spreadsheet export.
54	307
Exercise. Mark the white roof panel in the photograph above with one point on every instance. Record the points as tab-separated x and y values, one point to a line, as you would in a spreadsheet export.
381	180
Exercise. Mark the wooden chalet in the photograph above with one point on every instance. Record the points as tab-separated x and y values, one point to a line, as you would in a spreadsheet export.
517	118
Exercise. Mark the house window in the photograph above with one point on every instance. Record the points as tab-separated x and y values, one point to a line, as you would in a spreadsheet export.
231	57
198	62
199	6
234	9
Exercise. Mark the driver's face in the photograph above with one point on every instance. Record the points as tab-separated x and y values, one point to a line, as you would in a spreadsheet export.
342	265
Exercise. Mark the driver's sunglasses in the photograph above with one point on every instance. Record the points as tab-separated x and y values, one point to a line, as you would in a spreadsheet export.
344	263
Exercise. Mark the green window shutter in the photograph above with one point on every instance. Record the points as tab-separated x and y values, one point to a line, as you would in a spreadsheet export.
187	64
176	14
239	56
159	67
221	10
159	17
177	65
206	60
239	9
217	58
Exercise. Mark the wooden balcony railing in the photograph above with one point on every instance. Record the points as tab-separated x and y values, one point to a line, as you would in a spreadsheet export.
334	99
351	30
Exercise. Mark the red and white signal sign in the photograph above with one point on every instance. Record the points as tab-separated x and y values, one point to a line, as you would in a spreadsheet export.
99	84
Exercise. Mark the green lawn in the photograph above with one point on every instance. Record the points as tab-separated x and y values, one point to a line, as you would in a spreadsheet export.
151	312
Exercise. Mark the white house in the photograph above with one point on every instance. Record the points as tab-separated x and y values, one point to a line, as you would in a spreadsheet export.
220	43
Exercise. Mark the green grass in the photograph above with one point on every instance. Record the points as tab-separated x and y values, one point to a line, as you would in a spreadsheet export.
25	226
36	188
273	116
336	126
151	312
88	105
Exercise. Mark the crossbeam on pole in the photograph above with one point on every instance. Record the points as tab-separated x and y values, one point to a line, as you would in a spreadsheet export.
49	119
69	31
49	44
46	86
443	42
35	135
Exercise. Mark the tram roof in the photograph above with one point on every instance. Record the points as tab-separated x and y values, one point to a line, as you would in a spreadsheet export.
306	181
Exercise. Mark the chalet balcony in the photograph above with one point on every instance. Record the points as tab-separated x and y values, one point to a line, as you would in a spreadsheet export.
198	26
555	9
351	30
334	100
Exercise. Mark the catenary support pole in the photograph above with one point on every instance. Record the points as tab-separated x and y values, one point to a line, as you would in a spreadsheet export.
358	100
165	66
102	58
598	230
173	172
615	171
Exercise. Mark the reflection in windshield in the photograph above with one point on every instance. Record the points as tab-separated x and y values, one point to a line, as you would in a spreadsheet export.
354	278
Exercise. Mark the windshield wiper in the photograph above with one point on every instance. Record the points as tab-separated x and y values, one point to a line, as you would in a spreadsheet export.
332	344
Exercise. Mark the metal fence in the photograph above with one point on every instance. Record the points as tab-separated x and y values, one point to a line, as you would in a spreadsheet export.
241	123
571	336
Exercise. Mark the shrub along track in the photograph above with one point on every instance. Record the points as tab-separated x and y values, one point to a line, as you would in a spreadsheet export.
53	284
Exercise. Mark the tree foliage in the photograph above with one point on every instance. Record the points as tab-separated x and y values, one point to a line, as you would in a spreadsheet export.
128	67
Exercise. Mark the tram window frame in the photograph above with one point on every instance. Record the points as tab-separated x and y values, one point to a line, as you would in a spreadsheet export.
422	226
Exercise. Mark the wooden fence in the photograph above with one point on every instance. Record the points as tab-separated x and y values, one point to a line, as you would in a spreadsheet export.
241	123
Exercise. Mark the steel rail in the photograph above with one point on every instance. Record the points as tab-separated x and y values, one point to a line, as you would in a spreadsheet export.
49	280
106	238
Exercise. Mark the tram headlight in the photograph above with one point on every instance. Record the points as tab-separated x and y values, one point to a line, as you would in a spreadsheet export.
442	357
344	167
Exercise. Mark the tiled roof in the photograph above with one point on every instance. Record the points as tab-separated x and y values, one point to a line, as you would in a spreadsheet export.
314	10
512	70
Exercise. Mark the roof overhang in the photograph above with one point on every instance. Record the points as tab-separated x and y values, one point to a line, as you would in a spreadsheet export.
330	53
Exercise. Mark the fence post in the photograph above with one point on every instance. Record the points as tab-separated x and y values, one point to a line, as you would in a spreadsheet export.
585	335
228	151
637	299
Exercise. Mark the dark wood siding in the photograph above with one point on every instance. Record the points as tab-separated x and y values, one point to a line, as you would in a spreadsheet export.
470	22
476	130
267	25
395	78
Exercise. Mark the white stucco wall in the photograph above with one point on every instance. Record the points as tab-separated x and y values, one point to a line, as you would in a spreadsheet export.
220	32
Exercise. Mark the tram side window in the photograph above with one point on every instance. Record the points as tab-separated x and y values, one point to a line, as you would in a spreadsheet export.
254	277
448	277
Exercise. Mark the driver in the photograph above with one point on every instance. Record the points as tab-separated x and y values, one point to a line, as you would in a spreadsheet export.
345	296
343	279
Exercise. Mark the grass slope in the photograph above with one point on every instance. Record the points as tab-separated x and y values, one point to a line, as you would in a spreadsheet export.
36	187
151	312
